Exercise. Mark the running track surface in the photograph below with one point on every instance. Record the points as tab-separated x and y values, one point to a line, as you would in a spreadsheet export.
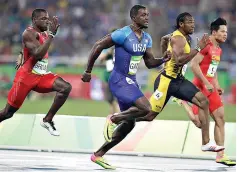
32	161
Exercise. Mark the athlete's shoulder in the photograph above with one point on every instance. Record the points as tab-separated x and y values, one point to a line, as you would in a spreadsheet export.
210	44
28	32
205	51
213	49
29	28
147	35
126	30
119	35
178	39
177	33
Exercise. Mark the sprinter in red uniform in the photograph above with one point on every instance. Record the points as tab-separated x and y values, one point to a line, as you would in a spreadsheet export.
32	73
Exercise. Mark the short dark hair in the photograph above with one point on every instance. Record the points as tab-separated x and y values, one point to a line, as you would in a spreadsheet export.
134	10
181	18
215	25
36	12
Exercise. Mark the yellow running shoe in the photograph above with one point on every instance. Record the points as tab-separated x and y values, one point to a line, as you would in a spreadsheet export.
178	101
102	162
109	129
225	160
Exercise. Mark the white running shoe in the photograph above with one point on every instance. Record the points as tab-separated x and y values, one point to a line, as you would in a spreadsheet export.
50	127
211	147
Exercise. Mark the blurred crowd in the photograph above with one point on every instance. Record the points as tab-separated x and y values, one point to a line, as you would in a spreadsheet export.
85	21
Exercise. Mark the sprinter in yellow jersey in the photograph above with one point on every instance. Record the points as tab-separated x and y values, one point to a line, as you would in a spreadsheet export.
171	82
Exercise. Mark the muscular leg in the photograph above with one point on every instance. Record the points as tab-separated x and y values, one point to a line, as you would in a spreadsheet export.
125	125
149	117
219	130
63	89
194	118
202	102
142	109
219	135
16	97
120	133
7	112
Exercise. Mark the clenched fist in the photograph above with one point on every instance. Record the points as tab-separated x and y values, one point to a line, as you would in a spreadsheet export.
86	77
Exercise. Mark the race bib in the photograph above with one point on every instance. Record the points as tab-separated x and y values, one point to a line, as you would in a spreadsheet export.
40	67
109	65
133	66
158	94
184	69
212	68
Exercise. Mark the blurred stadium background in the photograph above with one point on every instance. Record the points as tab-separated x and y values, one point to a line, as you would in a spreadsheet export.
85	21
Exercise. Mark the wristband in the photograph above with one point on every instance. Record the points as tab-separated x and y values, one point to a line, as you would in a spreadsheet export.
197	48
163	60
51	34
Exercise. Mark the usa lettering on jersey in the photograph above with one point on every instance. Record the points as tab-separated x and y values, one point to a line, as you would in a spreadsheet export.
139	47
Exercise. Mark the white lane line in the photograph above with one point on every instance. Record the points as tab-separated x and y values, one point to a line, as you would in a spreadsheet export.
83	160
66	161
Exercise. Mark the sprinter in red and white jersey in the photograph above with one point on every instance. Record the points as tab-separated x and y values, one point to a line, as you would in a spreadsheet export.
32	74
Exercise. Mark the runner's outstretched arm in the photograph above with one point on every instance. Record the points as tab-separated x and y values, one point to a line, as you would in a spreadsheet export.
152	62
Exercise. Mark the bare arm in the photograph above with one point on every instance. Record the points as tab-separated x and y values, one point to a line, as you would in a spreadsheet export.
164	43
178	44
36	49
105	42
217	85
196	68
216	82
151	61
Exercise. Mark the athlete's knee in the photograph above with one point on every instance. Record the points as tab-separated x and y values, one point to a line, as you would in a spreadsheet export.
66	88
6	114
204	102
150	116
137	110
143	105
146	110
219	120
